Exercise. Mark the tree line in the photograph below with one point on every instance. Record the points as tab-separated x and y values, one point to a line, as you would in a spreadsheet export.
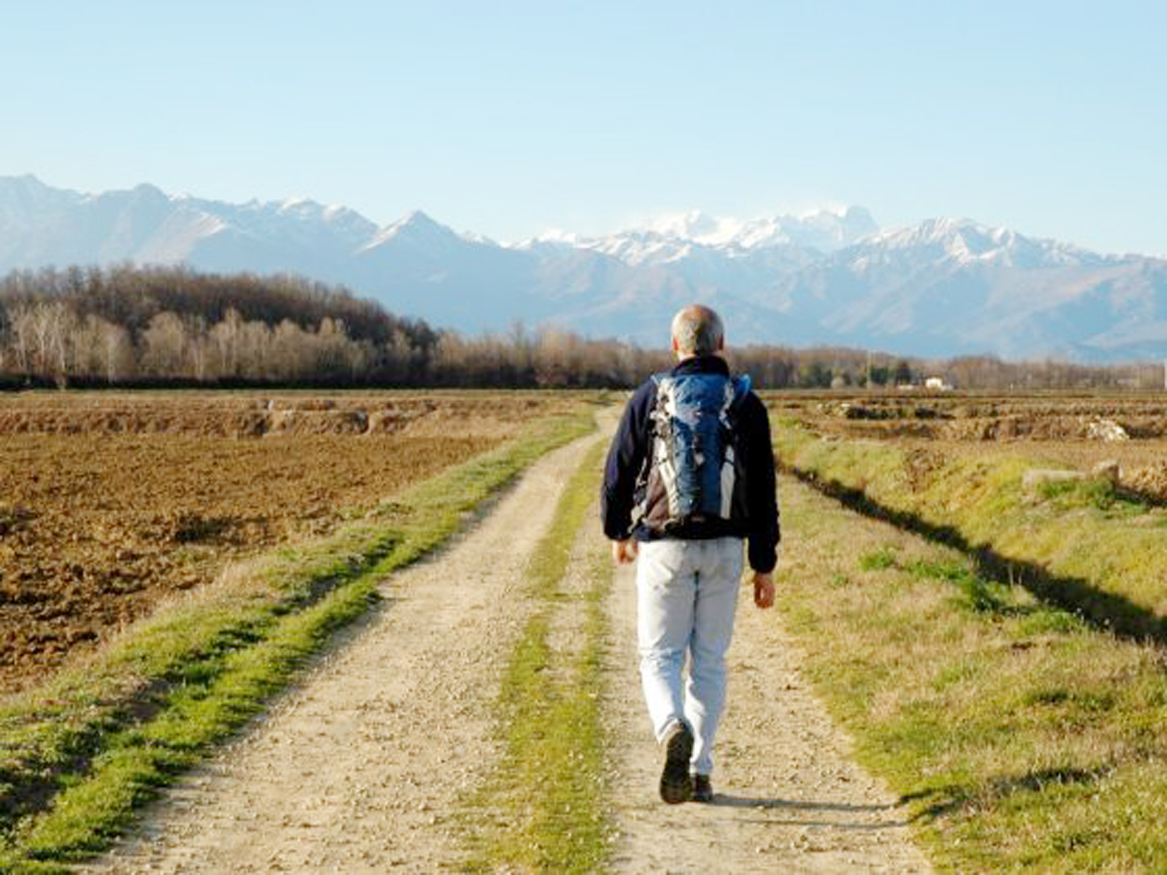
171	326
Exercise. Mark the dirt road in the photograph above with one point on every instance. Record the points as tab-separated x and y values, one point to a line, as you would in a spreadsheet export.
363	767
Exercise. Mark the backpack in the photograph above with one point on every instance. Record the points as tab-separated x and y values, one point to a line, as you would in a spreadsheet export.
692	466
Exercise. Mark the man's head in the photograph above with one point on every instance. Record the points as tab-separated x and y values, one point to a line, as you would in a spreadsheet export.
697	330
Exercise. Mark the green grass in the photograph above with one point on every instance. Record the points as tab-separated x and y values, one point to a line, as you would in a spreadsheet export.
1020	737
1098	493
546	798
884	557
78	755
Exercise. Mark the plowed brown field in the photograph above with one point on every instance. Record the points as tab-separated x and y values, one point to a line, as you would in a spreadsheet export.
110	503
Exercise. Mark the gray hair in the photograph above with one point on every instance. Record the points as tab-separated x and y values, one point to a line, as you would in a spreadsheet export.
697	330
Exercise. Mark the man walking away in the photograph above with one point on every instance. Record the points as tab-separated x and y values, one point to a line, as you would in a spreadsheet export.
689	475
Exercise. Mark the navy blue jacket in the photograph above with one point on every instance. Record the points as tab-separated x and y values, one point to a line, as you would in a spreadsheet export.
631	448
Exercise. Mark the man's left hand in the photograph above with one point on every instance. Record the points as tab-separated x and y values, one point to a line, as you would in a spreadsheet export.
624	552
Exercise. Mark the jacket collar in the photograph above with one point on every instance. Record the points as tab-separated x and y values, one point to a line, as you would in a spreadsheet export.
702	364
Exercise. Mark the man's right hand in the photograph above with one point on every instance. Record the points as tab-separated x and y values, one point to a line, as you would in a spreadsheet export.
763	590
624	552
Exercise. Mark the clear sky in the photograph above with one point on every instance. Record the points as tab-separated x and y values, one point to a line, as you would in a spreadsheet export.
512	117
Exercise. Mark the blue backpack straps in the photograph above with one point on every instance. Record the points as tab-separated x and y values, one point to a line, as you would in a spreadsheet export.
741	386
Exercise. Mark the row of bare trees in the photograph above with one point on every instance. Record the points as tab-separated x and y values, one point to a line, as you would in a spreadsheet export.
48	341
133	326
127	325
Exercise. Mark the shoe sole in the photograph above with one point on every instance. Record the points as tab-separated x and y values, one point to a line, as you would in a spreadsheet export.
676	784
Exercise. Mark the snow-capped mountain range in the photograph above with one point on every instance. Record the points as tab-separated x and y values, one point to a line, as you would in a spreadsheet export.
945	287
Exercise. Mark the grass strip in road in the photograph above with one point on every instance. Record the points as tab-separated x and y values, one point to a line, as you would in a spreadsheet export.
78	755
1020	736
546	797
1084	545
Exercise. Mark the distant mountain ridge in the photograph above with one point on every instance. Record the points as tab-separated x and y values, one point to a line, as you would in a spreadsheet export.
944	287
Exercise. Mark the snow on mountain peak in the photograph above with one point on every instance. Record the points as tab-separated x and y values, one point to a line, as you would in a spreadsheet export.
964	242
930	232
553	235
691	225
674	236
417	221
292	204
418	231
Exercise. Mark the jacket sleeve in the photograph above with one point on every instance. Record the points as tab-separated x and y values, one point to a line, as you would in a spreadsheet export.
625	458
761	486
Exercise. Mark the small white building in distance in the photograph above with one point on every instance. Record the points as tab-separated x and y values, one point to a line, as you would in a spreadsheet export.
937	384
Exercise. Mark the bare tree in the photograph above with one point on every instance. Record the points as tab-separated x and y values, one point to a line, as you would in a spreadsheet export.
165	346
22	330
289	357
117	353
226	337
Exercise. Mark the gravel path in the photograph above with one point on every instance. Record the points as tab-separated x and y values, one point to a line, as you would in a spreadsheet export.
364	766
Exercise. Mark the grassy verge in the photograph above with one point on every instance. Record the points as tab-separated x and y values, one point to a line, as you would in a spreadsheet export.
1020	736
1082	544
78	755
546	798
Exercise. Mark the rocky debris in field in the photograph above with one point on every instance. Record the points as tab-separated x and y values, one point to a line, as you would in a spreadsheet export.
1106	430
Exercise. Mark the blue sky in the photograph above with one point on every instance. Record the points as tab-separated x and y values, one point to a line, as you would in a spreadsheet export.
509	118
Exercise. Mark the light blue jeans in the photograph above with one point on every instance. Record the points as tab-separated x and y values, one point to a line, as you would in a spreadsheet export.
686	593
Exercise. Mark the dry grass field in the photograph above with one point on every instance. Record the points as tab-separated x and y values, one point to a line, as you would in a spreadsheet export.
111	502
1069	429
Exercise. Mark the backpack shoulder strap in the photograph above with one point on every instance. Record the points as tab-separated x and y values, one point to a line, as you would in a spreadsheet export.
741	387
